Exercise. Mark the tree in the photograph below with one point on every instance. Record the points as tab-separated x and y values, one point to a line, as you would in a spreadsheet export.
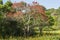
7	6
25	23
41	22
3	10
1	1
50	22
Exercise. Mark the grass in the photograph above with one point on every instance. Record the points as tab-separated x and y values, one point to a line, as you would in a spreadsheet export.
45	37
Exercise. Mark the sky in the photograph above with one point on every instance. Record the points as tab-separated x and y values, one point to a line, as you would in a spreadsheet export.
46	3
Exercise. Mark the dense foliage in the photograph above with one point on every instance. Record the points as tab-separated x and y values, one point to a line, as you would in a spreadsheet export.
21	26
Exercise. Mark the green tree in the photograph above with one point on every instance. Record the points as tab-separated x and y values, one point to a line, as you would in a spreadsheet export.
50	22
3	11
7	6
1	1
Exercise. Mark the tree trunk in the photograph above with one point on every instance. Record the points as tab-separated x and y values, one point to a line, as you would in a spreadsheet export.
24	32
28	30
41	33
